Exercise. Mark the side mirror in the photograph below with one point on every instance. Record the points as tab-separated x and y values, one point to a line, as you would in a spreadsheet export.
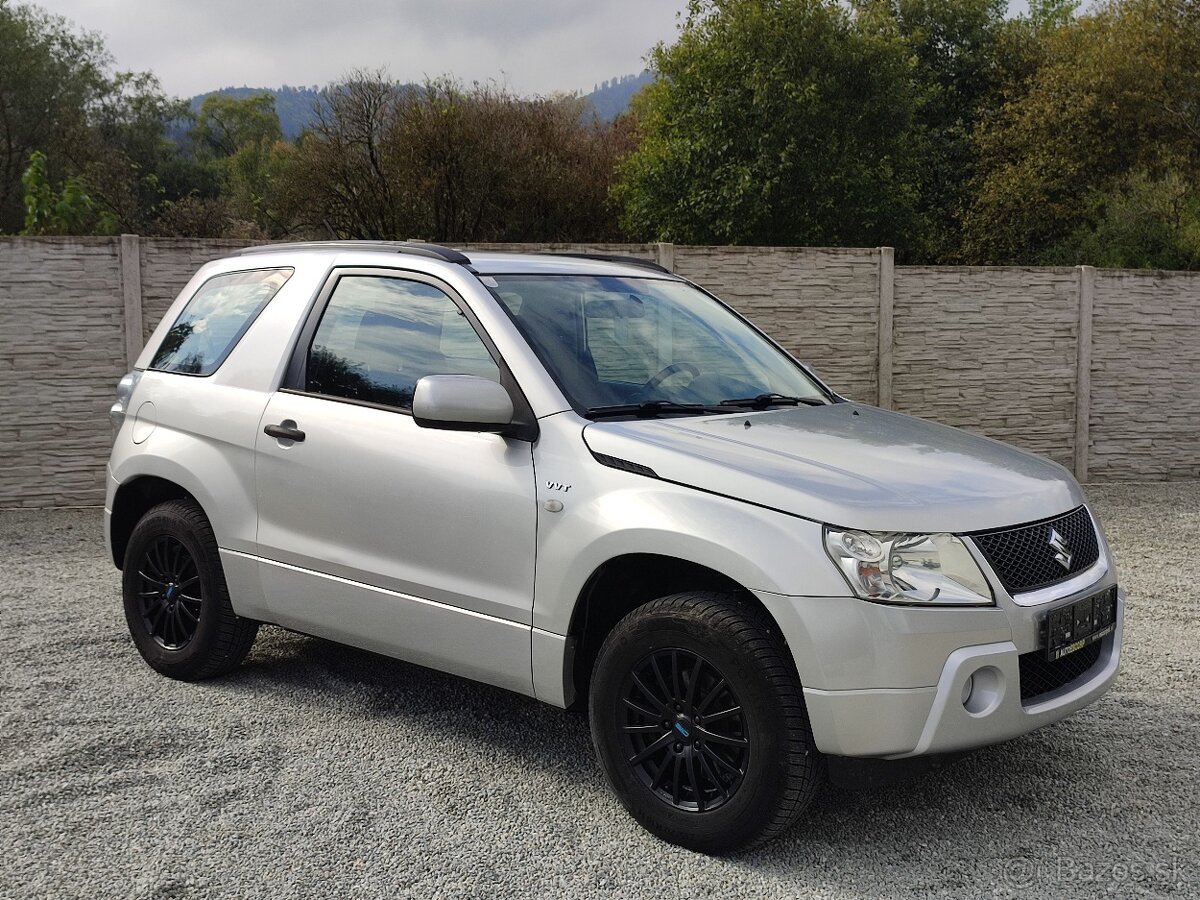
461	403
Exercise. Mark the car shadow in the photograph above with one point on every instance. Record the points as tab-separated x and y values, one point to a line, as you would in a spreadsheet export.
391	693
1032	787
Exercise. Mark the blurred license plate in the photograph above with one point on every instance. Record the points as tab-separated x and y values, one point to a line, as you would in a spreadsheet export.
1073	627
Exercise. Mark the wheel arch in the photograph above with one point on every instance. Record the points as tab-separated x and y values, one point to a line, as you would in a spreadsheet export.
134	499
622	584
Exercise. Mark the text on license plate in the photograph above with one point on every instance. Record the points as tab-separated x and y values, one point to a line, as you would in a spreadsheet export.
1075	626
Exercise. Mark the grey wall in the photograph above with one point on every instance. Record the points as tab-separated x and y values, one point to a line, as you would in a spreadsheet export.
1144	416
823	305
62	350
1099	370
990	349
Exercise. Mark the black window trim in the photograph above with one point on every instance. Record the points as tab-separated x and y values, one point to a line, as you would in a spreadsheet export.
524	427
241	332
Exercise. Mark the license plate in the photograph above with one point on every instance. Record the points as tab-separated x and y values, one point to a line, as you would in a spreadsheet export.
1075	626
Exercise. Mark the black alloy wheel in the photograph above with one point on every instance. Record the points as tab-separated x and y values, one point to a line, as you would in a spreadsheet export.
169	593
698	717
176	600
684	730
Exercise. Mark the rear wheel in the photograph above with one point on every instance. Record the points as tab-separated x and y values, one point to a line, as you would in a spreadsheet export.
176	602
699	721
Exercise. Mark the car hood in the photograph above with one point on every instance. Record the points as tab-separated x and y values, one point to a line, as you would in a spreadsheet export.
848	465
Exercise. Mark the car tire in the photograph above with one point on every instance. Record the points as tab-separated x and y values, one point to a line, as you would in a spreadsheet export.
176	601
686	767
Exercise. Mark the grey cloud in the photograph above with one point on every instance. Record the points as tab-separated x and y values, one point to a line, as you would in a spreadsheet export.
537	46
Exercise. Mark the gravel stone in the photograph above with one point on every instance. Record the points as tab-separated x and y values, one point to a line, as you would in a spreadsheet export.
320	770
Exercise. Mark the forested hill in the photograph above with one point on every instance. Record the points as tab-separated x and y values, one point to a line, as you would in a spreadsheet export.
295	105
611	98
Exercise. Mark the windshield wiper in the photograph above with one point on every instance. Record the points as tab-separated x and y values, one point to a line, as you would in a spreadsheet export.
650	409
763	401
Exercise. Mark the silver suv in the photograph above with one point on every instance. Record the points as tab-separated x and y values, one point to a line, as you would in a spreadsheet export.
589	481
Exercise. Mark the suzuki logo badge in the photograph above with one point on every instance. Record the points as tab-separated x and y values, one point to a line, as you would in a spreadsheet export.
1062	553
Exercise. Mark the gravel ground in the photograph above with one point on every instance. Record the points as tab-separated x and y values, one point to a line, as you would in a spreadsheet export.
318	770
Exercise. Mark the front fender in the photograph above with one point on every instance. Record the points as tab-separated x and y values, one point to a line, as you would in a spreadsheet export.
760	549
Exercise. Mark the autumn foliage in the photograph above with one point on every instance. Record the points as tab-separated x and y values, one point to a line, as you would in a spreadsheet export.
944	128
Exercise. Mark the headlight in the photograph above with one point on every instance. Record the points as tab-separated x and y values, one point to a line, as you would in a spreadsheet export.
933	569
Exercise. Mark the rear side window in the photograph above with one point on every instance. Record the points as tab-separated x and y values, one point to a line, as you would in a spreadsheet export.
215	319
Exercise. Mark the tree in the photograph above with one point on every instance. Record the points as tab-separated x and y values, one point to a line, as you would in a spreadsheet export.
238	145
451	164
1138	222
498	167
68	210
101	135
1116	96
340	182
957	75
774	122
128	163
49	77
224	125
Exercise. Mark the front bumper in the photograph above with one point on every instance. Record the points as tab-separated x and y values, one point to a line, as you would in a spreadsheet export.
889	682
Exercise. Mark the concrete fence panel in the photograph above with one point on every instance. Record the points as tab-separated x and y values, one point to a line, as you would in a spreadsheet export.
62	351
1144	420
990	349
821	304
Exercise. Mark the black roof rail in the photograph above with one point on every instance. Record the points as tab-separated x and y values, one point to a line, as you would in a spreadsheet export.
617	258
430	251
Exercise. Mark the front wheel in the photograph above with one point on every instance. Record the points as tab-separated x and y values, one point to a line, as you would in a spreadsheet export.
699	721
176	602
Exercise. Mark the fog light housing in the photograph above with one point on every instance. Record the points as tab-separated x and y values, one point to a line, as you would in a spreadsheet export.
983	691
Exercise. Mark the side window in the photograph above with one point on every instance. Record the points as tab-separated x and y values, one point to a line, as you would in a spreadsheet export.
215	319
379	336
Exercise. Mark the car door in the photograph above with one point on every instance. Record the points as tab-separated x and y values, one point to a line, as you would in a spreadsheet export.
374	531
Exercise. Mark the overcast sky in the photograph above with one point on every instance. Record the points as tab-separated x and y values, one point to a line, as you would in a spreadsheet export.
535	46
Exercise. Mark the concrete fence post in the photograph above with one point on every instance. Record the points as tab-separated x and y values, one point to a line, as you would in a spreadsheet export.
666	255
887	297
131	291
1083	370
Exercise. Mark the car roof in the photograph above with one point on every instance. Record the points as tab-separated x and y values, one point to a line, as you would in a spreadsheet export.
484	262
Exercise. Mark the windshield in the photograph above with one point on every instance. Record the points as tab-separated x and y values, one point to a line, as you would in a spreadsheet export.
612	341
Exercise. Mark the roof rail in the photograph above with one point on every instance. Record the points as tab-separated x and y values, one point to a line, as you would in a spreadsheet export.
617	258
430	251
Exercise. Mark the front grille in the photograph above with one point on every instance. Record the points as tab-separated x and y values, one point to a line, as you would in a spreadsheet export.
1038	676
1024	558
